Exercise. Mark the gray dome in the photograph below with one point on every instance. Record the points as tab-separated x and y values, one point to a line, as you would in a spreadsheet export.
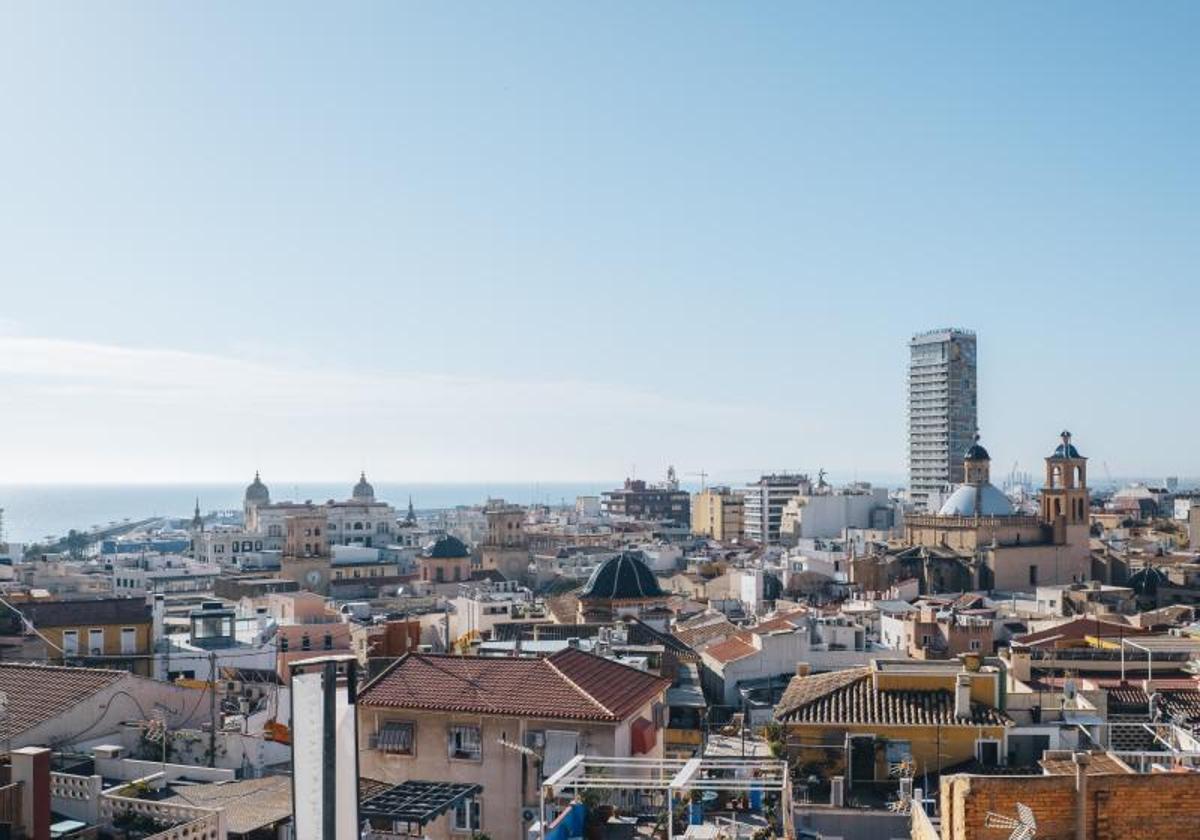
991	502
624	577
257	491
363	491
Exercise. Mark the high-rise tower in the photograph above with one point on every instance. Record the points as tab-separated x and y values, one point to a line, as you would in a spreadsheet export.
942	411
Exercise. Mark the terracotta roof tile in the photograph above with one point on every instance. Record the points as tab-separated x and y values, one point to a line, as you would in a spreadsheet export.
570	684
1079	628
850	697
249	804
735	647
700	635
37	693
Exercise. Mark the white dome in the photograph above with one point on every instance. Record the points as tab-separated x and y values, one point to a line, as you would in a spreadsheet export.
991	502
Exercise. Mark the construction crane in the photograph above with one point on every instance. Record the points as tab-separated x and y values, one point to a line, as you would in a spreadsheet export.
703	477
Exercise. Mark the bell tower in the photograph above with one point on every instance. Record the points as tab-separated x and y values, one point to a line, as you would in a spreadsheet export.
977	464
1065	493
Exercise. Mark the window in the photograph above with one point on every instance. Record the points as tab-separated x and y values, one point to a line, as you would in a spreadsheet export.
305	642
467	815
128	640
976	644
396	738
70	642
988	752
465	743
1033	575
328	641
283	644
96	641
898	751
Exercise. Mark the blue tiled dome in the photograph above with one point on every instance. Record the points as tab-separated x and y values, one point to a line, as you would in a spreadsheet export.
625	576
448	547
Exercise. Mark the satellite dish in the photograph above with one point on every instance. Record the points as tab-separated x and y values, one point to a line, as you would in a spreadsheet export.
1024	827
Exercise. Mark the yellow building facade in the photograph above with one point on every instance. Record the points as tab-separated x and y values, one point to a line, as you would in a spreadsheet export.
718	513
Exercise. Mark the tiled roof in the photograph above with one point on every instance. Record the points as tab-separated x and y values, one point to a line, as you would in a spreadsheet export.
1101	764
1079	628
78	613
1176	703
570	685
249	805
784	621
740	644
37	693
732	649
702	634
850	697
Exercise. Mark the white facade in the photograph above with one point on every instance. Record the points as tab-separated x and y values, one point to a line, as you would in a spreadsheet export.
942	412
827	516
764	502
131	582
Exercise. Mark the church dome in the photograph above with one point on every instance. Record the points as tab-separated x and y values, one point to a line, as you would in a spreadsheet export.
624	577
447	548
991	502
1066	449
257	492
363	491
976	452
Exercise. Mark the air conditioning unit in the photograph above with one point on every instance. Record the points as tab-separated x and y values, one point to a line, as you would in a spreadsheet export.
535	740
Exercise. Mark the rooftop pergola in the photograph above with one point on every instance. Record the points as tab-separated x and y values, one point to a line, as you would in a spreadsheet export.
415	803
1161	645
672	777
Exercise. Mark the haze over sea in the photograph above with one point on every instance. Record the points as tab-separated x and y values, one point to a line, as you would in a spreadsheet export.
33	511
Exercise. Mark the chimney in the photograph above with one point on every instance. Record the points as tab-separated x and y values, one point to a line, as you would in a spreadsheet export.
962	696
158	611
31	767
1081	764
1021	663
837	796
803	669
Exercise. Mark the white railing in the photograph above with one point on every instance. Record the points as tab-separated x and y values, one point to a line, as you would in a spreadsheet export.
77	797
204	828
190	822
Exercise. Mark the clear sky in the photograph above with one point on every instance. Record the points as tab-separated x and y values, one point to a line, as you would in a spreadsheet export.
552	241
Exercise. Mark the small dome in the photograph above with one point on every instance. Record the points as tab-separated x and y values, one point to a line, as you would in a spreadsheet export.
363	491
256	491
976	452
448	547
1066	449
625	576
963	500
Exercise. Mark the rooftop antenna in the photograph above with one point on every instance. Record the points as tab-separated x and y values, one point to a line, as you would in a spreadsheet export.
1024	827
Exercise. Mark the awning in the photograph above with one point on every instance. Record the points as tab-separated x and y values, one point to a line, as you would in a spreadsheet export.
416	802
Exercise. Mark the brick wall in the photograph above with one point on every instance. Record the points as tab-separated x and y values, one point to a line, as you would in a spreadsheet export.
1128	807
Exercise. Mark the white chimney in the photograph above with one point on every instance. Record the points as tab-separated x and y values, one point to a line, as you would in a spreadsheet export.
962	696
837	796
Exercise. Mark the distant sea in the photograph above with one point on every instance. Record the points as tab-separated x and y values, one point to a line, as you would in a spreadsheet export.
35	511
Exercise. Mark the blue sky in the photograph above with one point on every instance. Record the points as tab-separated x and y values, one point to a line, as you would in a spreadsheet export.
479	241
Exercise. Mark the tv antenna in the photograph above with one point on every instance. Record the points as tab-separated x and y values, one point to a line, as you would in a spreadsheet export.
1024	827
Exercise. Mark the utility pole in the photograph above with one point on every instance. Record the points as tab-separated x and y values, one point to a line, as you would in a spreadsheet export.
212	708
